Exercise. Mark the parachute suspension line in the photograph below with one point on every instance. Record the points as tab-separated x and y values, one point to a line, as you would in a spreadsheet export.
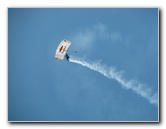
74	51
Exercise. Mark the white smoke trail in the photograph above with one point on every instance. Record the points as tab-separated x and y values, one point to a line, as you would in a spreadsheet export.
111	73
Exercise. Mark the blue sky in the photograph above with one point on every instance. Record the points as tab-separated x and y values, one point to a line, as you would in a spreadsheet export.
41	88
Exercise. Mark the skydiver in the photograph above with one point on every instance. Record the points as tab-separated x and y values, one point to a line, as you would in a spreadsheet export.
67	57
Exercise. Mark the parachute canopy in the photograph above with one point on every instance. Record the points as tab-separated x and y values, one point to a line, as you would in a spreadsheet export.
62	48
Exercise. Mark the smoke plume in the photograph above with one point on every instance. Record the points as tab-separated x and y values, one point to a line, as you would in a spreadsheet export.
111	73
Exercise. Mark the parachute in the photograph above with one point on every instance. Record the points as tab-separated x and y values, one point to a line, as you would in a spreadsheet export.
62	48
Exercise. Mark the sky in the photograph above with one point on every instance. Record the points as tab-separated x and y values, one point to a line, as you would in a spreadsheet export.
42	88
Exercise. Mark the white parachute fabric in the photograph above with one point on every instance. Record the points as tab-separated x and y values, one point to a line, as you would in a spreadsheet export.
62	48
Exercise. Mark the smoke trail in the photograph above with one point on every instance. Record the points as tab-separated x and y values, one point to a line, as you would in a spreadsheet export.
111	73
